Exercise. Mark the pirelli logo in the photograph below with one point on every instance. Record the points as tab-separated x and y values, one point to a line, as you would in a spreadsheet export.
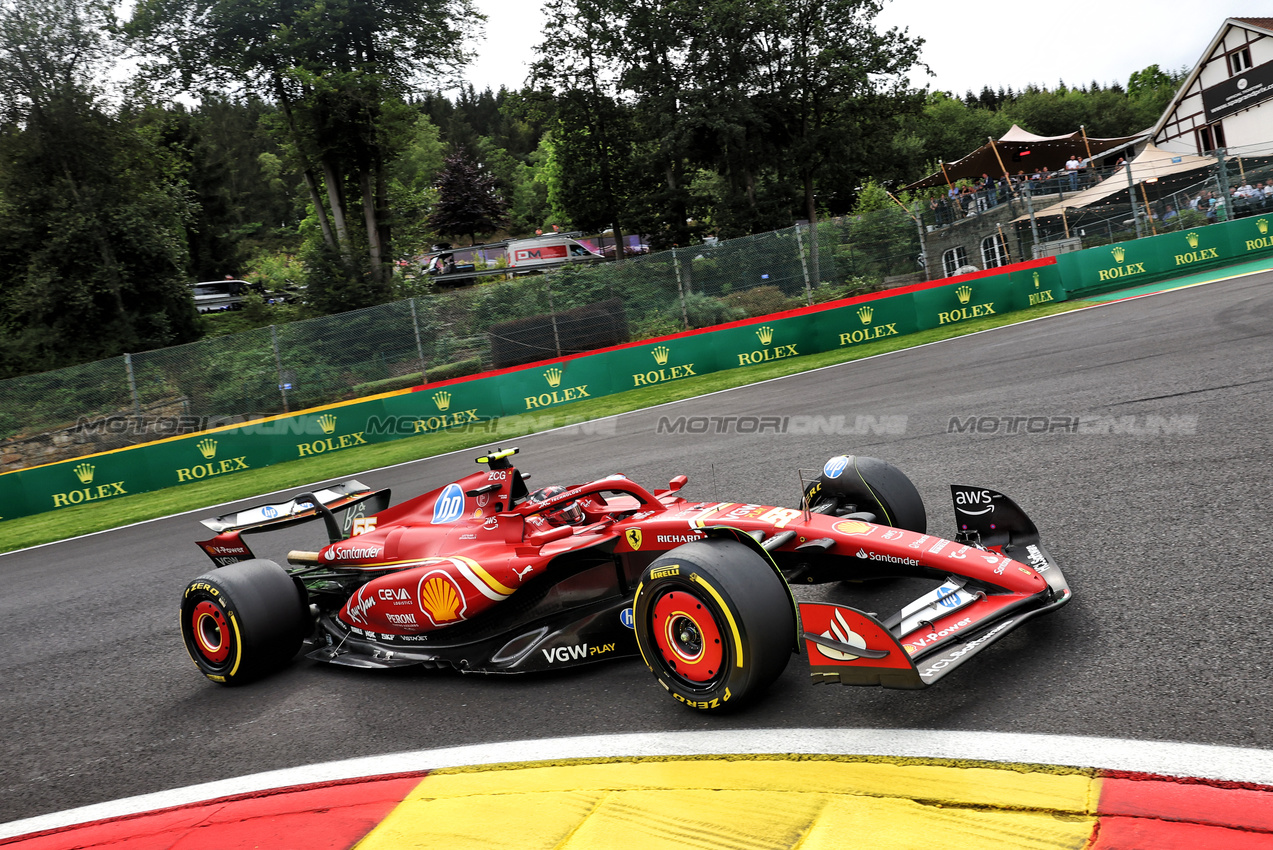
664	572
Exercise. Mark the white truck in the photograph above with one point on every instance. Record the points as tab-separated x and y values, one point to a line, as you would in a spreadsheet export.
514	257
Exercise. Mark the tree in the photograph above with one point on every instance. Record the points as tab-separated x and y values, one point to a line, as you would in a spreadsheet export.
1151	90
92	207
468	203
338	70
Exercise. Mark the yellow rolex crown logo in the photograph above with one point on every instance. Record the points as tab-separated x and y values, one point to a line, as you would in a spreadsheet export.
1263	224
327	422
866	314
964	294
442	400
84	472
207	448
660	354
1192	239
1118	253
1036	280
766	334
553	377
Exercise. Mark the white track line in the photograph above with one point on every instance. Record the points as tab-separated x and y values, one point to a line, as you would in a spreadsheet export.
1233	764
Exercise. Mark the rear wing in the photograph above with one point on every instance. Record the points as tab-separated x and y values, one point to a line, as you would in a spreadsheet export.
352	499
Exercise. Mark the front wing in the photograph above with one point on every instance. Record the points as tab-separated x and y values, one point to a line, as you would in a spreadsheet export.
854	648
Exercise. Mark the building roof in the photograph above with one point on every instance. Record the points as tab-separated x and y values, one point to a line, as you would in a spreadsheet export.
1264	25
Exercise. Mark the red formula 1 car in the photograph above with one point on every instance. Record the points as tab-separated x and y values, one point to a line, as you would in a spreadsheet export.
485	576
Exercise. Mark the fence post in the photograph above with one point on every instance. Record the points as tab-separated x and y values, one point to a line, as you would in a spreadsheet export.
278	366
808	296
813	258
680	289
1223	175
415	326
1131	196
1034	225
132	382
552	312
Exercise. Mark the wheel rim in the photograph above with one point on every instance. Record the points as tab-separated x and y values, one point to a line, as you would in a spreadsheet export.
687	637
211	632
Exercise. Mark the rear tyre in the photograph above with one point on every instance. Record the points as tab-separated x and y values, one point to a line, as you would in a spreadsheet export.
243	621
870	485
714	623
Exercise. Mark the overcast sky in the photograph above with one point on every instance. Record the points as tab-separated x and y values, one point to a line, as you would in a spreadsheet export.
967	43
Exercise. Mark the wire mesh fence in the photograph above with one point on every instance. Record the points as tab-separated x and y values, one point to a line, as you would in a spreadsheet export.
443	333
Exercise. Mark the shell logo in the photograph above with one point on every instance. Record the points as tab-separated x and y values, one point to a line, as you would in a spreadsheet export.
440	599
852	526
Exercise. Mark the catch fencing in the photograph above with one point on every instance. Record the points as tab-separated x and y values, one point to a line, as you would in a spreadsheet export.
440	333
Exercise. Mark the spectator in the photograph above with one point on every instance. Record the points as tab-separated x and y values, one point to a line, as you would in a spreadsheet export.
1072	170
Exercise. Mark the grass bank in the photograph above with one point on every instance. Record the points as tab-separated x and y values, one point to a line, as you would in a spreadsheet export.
82	519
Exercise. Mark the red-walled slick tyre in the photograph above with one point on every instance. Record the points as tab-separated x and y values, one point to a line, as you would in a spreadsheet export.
714	623
243	621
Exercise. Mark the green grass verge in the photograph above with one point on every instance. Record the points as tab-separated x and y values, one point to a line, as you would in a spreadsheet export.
82	519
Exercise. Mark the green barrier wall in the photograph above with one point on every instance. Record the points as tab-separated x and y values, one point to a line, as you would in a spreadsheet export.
661	362
867	321
552	384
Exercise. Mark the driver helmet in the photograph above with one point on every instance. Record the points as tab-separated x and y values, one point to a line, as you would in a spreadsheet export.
570	512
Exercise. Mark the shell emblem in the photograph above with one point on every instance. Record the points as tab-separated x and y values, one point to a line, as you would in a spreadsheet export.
441	601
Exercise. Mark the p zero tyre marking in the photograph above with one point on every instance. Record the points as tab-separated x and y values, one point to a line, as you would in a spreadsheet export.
211	632
688	636
729	617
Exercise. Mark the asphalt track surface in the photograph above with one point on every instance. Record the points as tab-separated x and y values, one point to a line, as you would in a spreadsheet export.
1157	508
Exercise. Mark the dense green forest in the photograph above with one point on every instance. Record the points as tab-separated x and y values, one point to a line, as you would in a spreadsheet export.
322	145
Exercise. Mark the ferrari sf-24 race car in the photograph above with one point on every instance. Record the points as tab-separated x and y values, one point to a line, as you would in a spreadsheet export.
485	576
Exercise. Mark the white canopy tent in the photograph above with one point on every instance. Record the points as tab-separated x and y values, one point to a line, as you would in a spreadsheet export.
1150	165
1019	150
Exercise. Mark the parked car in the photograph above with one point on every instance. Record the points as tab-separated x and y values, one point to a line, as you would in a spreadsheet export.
216	296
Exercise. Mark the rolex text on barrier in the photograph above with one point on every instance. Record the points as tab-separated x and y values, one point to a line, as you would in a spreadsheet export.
213	454
969	298
1031	287
662	361
87	480
765	341
1248	237
543	386
467	404
865	321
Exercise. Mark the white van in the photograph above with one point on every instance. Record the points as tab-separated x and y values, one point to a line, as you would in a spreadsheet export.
215	296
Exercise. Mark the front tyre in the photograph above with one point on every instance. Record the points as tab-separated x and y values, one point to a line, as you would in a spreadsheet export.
714	623
243	621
